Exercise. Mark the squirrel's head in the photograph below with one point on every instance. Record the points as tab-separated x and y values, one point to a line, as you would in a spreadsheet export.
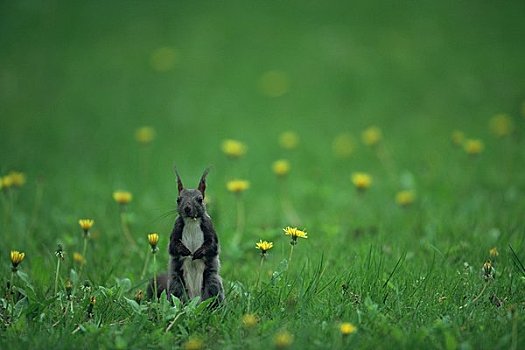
190	202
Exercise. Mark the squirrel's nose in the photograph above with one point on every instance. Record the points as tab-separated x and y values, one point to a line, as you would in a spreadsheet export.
187	210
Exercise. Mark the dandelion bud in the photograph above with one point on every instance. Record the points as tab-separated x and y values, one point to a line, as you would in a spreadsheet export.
283	340
281	167
139	296
361	181
153	239
405	198
6	182
288	140
193	344
122	197
237	186
488	270
371	136
249	321
145	135
457	137
473	146
79	258
92	302
59	253
501	125
69	288
347	328
18	179
233	148
86	225
16	259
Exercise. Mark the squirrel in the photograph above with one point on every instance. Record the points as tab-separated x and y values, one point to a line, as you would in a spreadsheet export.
194	263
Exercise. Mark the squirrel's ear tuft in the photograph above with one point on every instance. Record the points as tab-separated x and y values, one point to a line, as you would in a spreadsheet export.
179	182
202	183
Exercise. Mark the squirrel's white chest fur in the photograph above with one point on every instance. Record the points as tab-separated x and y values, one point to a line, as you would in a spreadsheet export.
192	238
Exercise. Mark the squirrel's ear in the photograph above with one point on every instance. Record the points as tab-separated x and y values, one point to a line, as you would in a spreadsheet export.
179	182
202	183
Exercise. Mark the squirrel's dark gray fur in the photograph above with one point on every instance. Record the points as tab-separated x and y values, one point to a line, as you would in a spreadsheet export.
193	226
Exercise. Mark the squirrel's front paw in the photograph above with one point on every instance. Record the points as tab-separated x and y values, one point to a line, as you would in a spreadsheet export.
182	249
199	253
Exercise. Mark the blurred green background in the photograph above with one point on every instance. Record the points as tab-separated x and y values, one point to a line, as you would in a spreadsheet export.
78	78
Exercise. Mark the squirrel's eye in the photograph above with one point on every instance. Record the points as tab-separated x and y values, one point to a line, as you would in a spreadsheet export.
199	199
178	200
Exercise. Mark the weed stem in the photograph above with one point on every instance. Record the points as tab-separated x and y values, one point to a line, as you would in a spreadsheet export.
56	275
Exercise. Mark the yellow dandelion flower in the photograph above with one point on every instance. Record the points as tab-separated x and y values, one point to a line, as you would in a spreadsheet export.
361	181
289	140
233	148
283	339
79	258
153	239
274	83
163	59
494	252
145	135
372	136
249	320
294	232
16	258
237	186
193	344
343	145
501	125
347	328
473	146
405	198
281	167
86	224
18	179
6	181
264	246
122	197
458	137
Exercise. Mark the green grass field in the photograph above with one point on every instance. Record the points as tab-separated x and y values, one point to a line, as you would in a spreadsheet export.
77	80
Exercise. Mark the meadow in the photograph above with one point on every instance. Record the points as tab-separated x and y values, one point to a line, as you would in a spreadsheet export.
392	134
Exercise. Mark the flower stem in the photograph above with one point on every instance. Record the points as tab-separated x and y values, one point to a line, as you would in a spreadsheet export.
291	252
12	289
480	293
240	215
84	250
56	275
477	297
240	220
155	287
260	269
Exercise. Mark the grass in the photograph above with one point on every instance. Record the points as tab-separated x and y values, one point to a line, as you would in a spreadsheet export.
78	80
